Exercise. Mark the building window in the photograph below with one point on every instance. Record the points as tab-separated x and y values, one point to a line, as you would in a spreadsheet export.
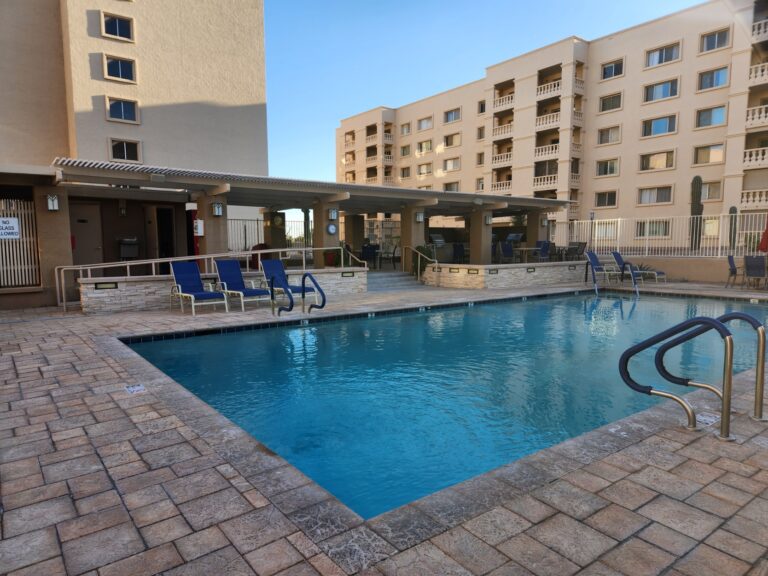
424	146
405	150
652	228
662	55
405	129
424	188
608	167
608	135
481	132
480	184
713	78
714	40
452	140
124	150
658	195
120	68
657	160
660	90
424	169
451	164
657	126
405	172
452	115
612	69
481	107
610	102
709	154
605	230
424	123
605	199
451	187
480	158
125	110
711	191
710	117
118	27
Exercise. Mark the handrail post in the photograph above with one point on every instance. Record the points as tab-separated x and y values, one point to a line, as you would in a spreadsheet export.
760	374
725	417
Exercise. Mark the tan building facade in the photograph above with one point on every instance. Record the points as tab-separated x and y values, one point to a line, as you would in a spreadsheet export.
619	125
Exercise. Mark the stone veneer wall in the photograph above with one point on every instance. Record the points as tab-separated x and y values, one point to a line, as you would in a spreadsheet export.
153	292
504	275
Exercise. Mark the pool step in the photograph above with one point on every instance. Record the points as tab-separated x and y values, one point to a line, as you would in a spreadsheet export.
383	281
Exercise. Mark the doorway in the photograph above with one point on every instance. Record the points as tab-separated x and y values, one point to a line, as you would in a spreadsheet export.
85	226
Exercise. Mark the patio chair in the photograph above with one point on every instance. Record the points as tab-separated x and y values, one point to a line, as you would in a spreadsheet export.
507	252
459	253
390	252
754	271
607	270
733	272
232	284
572	252
188	285
370	253
277	280
544	251
635	270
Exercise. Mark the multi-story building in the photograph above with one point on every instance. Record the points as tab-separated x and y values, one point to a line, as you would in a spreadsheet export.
619	125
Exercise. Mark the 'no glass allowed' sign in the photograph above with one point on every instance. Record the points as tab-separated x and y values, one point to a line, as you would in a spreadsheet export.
9	229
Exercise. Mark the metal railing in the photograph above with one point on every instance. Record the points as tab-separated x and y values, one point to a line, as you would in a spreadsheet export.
419	256
161	266
244	234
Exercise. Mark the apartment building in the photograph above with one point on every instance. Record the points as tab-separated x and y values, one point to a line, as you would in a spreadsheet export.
174	83
619	125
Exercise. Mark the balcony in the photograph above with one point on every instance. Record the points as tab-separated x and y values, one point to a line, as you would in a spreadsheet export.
549	89
578	117
372	180
498	160
576	148
371	159
349	143
389	180
404	178
754	199
757	116
573	211
548	121
388	159
756	158
388	137
578	85
758	74
504	130
545	182
371	138
504	186
546	152
574	180
503	102
760	31
349	163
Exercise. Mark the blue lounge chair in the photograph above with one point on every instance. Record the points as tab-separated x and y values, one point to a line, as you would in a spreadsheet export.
608	271
733	272
544	250
188	285
636	272
754	271
232	284
277	280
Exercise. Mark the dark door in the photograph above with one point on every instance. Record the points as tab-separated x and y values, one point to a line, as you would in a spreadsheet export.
165	236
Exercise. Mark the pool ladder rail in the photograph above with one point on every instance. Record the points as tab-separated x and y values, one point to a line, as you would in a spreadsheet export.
288	293
684	332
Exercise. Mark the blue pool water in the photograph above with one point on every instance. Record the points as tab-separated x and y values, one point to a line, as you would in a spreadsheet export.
385	410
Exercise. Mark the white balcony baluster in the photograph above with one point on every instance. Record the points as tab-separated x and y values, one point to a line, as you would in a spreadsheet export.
545	182
549	89
754	199
371	159
548	151
757	116
503	101
502	159
760	31
503	130
504	186
548	120
758	74
756	158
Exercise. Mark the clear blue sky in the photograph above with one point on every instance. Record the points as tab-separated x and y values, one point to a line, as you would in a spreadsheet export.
329	59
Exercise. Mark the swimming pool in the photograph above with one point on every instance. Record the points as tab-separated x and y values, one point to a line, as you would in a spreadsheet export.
382	411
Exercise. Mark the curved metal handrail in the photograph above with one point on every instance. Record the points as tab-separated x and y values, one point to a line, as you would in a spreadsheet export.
759	364
419	256
304	290
286	291
711	323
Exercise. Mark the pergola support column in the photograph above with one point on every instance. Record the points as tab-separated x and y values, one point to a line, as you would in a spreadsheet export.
411	233
215	238
322	237
480	237
354	231
274	230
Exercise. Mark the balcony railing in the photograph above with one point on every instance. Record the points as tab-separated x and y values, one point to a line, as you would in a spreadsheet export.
371	179
574	180
349	162
549	89
504	101
389	180
756	158
349	180
388	137
371	159
349	143
545	182
388	159
503	130
578	84
502	159
504	186
573	211
576	148
754	199
371	138
548	151
760	31
757	116
548	120
578	116
404	178
758	74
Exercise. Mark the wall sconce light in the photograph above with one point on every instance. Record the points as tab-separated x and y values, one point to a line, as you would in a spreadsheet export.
218	209
488	219
333	213
53	203
122	209
419	217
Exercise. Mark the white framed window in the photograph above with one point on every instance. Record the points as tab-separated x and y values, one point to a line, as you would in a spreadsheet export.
609	167
711	79
481	132
424	123
715	40
481	107
405	150
605	199
711	191
453	115
655	195
451	140
405	129
123	69
124	150
660	90
480	158
658	126
424	146
657	161
121	110
117	27
424	169
711	227
612	69
714	116
479	184
658	56
711	154
609	135
405	172
451	164
610	102
657	228
451	187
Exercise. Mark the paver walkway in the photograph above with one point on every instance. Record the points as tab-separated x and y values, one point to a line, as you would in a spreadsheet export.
98	480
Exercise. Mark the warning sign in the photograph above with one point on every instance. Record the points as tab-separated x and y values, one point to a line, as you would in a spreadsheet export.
9	229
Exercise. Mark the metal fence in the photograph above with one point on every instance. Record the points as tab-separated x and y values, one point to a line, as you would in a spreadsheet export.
675	236
245	234
19	263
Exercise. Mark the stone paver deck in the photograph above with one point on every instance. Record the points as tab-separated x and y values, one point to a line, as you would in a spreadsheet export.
97	480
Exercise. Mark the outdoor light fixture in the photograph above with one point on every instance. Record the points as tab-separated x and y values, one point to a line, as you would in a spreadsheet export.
53	203
488	219
122	208
333	213
218	209
419	217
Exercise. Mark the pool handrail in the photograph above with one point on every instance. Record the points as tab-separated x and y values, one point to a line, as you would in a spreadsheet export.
304	277
286	290
759	364
727	337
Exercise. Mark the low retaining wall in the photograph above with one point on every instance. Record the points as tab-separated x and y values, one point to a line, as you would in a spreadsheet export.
133	293
504	275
